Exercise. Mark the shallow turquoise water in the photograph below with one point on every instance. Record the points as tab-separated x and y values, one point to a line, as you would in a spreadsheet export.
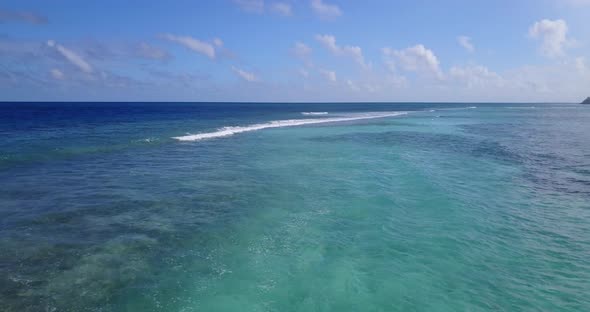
459	208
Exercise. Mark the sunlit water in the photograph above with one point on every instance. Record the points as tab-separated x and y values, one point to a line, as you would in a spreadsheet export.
450	207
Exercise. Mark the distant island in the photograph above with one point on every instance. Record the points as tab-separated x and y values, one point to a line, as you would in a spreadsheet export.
586	101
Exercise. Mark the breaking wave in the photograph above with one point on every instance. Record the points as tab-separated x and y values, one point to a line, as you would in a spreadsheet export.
314	113
227	131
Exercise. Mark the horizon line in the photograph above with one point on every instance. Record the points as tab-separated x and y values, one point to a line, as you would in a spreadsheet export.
301	102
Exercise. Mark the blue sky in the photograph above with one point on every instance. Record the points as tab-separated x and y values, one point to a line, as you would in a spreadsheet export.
295	50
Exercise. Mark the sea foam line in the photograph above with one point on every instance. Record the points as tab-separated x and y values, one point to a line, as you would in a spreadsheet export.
227	131
314	113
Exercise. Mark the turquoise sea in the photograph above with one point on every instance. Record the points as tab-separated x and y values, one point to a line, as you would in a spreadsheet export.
294	207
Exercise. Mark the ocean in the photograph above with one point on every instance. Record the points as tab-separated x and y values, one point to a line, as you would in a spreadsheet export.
294	207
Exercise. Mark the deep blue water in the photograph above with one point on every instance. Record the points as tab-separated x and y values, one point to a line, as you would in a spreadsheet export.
455	206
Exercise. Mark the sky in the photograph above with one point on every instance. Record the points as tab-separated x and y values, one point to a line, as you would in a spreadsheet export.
295	50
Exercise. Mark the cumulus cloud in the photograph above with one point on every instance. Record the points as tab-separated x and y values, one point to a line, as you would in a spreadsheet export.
329	42
328	74
413	59
361	86
396	81
193	44
281	8
352	85
25	17
301	50
71	56
465	42
354	52
580	63
248	76
475	75
560	82
325	10
553	36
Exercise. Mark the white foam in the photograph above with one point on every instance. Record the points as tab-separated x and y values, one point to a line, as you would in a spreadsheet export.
227	131
314	113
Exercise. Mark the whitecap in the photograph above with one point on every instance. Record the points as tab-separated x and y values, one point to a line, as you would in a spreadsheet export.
314	113
227	131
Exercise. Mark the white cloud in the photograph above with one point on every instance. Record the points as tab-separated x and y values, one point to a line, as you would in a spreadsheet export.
328	74
329	42
150	52
475	75
354	52
252	6
259	7
396	81
580	63
250	77
301	50
71	56
575	3
352	85
282	8
553	35
361	86
193	44
414	59
304	73
465	42
372	88
218	42
554	82
325	10
57	74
